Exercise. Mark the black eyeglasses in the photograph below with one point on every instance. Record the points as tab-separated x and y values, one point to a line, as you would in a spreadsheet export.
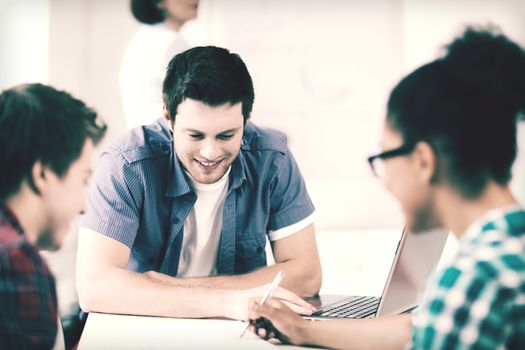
376	161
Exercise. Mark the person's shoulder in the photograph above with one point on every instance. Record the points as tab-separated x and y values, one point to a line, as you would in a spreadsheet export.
9	236
151	35
144	142
494	259
257	138
16	250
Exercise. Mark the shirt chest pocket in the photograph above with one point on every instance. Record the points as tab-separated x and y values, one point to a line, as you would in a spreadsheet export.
250	252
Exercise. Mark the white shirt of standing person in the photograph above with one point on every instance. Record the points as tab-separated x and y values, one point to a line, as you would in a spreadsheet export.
142	71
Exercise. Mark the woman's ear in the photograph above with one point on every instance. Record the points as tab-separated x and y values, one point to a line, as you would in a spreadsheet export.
426	162
161	5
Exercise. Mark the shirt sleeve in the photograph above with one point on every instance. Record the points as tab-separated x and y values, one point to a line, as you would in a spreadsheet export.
290	230
114	200
28	305
464	310
290	202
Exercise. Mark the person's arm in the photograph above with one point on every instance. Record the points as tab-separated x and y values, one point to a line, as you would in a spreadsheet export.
391	332
105	285
295	255
28	305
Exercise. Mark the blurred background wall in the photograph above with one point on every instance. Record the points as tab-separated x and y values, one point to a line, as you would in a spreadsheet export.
322	72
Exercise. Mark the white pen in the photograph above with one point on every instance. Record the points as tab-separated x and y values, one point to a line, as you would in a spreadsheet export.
278	278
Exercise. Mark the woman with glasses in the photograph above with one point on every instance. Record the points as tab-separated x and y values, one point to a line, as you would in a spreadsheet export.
449	143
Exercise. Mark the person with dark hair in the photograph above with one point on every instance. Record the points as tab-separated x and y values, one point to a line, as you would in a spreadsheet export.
449	143
181	209
150	49
46	140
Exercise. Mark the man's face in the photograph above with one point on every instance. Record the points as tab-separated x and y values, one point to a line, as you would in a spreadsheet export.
207	139
409	182
64	198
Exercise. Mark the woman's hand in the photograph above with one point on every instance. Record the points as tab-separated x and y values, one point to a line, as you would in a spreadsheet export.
275	320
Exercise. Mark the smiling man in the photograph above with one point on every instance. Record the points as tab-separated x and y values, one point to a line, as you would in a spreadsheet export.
181	209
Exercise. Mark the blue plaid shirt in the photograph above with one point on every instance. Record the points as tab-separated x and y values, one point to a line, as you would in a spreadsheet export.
478	301
141	198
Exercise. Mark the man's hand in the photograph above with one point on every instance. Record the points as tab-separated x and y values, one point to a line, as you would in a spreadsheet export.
274	320
242	298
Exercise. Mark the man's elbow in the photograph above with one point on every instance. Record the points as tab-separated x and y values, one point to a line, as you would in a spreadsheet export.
85	299
313	279
90	293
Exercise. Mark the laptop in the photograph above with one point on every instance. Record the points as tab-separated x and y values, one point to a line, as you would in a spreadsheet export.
415	259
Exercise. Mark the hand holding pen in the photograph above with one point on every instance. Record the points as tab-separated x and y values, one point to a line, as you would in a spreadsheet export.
276	281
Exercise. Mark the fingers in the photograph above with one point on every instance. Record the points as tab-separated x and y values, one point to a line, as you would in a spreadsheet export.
293	301
264	311
263	326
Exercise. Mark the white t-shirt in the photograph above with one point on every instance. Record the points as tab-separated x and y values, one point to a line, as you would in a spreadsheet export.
202	229
143	69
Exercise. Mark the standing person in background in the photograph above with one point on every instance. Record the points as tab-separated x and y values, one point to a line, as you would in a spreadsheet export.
46	140
448	143
148	53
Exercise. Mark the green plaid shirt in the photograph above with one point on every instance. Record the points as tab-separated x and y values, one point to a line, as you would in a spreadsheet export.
478	301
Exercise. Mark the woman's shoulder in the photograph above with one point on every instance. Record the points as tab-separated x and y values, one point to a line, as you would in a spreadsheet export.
150	38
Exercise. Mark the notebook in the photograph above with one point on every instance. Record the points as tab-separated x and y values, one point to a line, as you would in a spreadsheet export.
415	258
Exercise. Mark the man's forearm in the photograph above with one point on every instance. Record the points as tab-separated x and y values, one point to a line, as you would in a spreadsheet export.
126	292
299	279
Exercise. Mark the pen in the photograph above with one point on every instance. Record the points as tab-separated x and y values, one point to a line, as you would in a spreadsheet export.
278	278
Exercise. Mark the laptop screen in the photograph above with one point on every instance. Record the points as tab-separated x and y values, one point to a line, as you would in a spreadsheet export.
418	256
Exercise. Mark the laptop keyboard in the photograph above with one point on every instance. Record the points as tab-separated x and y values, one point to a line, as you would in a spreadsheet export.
354	307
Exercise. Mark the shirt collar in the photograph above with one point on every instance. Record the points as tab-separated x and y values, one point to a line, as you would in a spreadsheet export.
237	174
10	217
177	184
492	219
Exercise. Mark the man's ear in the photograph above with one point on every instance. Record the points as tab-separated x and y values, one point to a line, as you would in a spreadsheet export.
167	118
37	180
426	161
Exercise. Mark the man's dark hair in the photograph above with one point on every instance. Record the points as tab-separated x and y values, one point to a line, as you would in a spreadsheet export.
208	74
147	11
466	106
40	123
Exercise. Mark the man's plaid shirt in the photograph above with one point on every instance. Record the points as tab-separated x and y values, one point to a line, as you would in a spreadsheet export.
478	301
28	302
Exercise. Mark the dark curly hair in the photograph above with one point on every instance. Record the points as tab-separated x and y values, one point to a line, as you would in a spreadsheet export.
466	105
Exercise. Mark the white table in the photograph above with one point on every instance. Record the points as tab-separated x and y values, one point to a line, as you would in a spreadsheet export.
355	263
109	331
